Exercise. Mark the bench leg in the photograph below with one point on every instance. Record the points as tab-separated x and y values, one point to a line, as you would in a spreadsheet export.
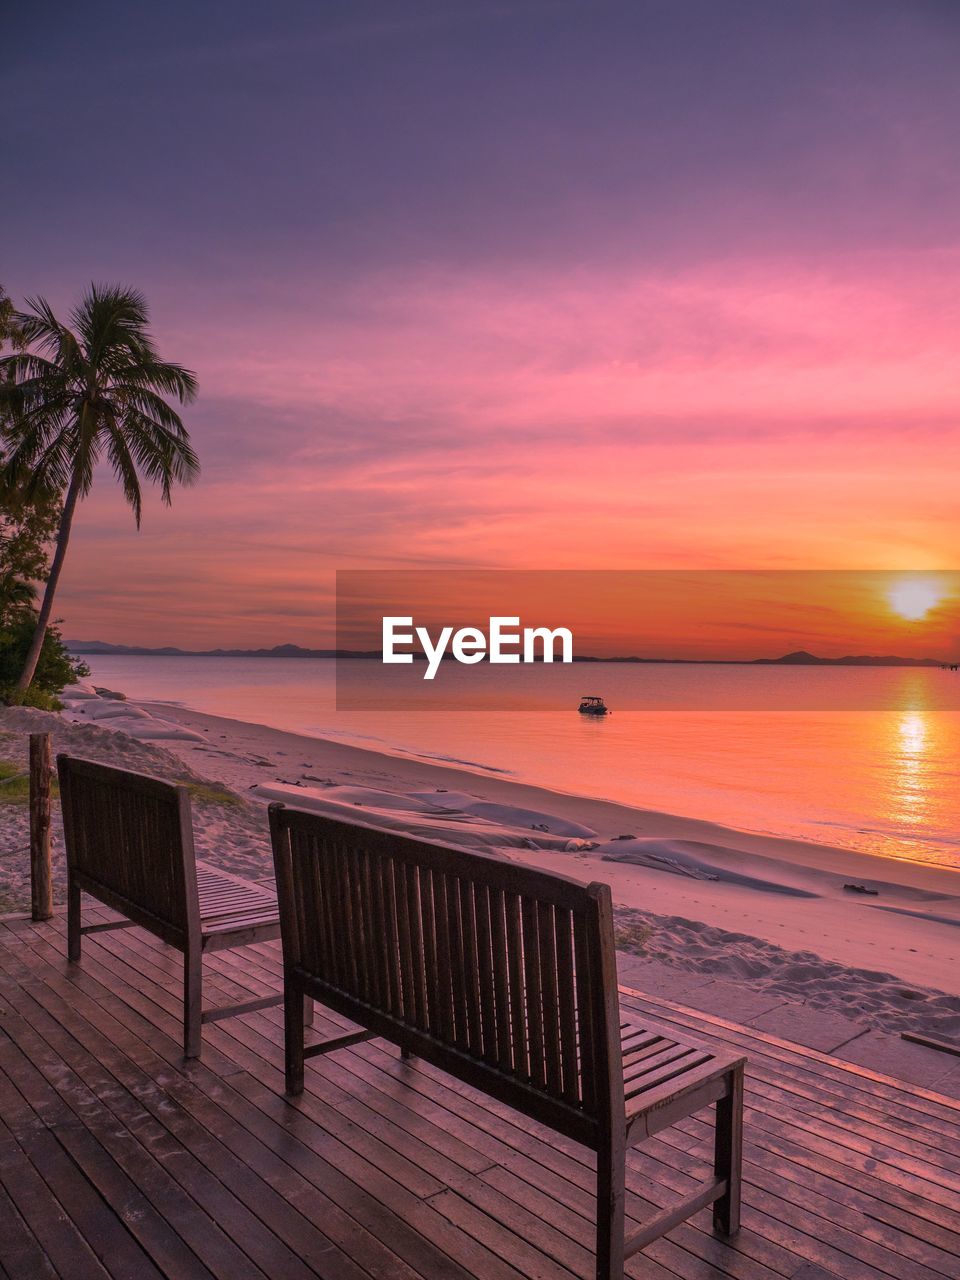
611	1194
73	922
293	1015
308	1011
192	1003
729	1155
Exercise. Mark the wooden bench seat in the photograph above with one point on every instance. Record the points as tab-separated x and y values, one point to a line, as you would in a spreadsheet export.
230	905
503	976
656	1062
129	843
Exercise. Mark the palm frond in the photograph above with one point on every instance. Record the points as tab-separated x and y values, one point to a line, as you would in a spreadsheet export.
162	376
40	464
164	457
125	470
40	327
112	319
97	387
149	402
24	364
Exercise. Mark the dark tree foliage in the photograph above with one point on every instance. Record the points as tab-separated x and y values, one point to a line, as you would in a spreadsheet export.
27	529
9	330
28	526
55	666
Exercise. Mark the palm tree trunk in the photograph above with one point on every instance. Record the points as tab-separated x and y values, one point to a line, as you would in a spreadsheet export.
46	608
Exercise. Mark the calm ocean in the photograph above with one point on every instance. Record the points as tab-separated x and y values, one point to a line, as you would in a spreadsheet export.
882	781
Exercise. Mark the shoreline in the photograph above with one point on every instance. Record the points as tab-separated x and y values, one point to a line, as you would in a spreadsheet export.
786	893
847	782
477	769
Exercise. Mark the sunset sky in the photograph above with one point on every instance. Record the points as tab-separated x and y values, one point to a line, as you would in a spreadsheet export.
652	284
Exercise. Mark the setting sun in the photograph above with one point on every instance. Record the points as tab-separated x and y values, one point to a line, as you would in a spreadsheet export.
913	598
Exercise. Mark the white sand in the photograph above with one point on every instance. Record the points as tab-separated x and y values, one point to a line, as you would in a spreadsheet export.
83	703
770	914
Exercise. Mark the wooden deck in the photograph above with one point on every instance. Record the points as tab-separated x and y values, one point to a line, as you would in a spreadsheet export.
116	1159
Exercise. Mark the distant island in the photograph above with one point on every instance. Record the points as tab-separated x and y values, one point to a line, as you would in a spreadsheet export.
799	658
803	659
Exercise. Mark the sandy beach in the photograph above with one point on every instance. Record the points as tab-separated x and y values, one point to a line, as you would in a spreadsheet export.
750	914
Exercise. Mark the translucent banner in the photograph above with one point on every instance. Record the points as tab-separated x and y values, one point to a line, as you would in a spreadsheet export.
598	642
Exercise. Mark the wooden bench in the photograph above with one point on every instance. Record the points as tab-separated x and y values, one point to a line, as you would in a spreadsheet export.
505	977
129	843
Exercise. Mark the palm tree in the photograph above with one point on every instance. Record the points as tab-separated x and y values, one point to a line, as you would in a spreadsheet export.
80	394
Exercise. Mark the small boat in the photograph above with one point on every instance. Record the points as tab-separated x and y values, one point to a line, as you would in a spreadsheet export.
593	706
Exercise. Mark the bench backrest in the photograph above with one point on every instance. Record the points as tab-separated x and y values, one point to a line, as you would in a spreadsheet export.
129	842
501	974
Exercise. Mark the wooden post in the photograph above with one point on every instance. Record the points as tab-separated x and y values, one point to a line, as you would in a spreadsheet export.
41	885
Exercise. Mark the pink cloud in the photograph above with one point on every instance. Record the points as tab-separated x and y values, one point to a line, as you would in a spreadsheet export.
751	414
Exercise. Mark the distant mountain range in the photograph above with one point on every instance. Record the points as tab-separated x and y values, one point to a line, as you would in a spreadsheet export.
800	658
92	647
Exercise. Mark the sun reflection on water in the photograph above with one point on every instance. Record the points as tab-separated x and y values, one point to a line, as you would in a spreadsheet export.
911	776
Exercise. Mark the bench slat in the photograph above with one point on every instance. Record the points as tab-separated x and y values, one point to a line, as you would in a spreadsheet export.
532	991
392	936
368	909
589	1084
547	935
411	950
457	978
501	978
471	965
436	1023
567	1007
486	982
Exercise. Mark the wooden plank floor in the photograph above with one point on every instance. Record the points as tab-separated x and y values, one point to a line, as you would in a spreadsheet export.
117	1159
